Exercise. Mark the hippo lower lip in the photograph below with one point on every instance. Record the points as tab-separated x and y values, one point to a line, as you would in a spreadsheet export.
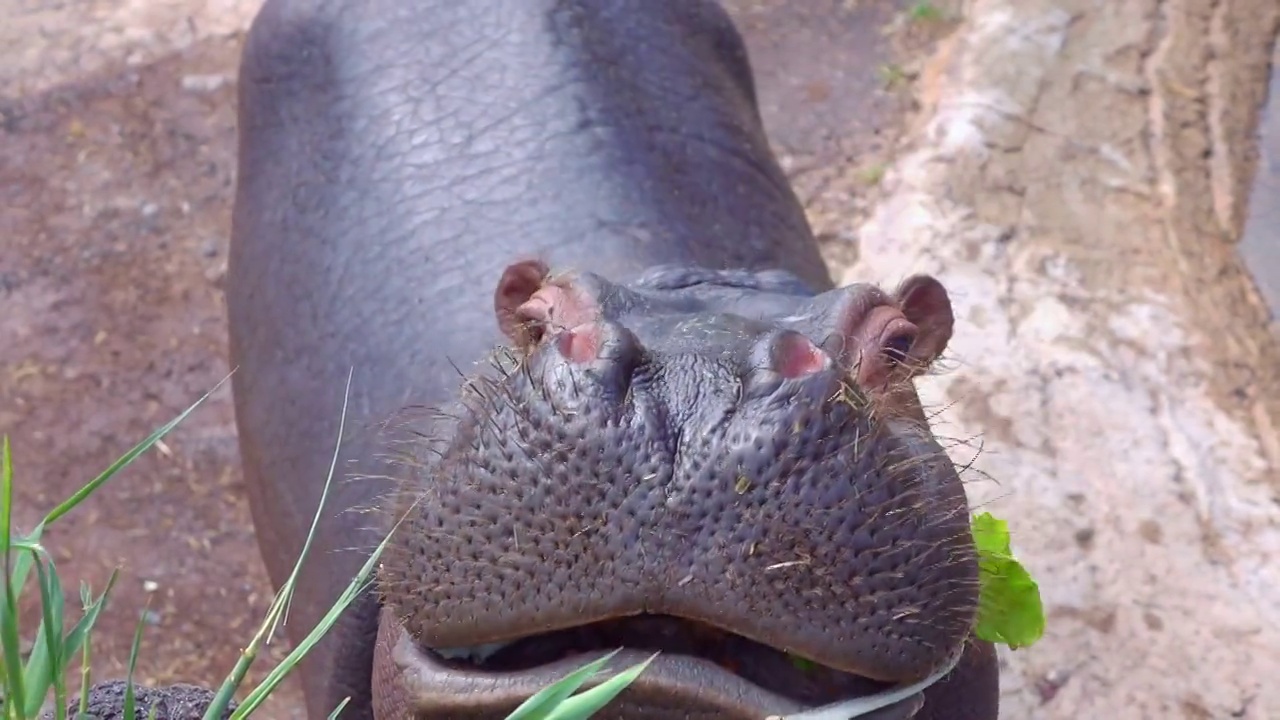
768	668
729	675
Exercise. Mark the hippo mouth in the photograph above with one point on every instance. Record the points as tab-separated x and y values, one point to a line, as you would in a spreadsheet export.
701	670
805	682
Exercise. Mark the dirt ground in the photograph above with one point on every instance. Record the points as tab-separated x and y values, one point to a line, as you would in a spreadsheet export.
117	130
115	187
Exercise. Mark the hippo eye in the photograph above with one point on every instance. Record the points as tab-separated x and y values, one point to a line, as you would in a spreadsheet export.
898	346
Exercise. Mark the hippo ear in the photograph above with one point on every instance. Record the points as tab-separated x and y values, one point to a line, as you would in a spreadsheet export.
518	283
925	303
881	338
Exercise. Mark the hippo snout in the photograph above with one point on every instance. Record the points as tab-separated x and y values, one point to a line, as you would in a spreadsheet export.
729	471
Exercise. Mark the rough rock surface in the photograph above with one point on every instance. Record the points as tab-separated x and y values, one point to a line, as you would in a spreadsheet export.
1076	177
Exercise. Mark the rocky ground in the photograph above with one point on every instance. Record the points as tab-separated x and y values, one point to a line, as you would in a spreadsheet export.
1077	172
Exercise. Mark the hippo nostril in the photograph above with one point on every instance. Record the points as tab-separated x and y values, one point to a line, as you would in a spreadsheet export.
610	351
581	344
792	355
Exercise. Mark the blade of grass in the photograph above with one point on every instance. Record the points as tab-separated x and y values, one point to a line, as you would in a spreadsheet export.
279	605
17	569
57	648
22	566
18	572
358	585
7	700
277	675
22	561
92	608
6	495
45	666
79	496
86	665
81	634
333	715
86	662
546	699
130	702
14	699
590	702
36	676
324	496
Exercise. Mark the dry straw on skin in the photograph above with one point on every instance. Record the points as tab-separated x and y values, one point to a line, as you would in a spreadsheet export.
29	683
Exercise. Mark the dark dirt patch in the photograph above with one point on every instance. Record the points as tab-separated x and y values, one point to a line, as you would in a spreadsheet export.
174	702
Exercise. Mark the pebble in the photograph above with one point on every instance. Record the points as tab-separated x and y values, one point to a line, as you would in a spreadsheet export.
1049	685
204	83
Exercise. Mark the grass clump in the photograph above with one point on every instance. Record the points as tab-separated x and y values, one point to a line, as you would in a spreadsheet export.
926	12
893	76
872	174
27	684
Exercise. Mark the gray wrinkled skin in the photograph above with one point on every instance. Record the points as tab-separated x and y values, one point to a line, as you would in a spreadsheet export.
396	161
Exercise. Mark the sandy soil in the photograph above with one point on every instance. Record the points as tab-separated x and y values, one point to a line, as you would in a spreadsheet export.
1075	171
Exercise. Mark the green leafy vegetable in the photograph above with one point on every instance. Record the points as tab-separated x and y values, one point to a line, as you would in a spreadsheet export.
801	664
1009	607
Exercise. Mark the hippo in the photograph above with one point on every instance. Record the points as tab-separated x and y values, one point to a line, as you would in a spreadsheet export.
646	418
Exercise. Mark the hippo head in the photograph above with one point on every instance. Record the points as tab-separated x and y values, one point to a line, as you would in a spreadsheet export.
717	466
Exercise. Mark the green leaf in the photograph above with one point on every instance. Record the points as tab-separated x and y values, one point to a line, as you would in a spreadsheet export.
279	606
1009	607
86	660
92	608
83	493
44	666
129	694
14	697
545	700
801	664
22	561
589	702
333	715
